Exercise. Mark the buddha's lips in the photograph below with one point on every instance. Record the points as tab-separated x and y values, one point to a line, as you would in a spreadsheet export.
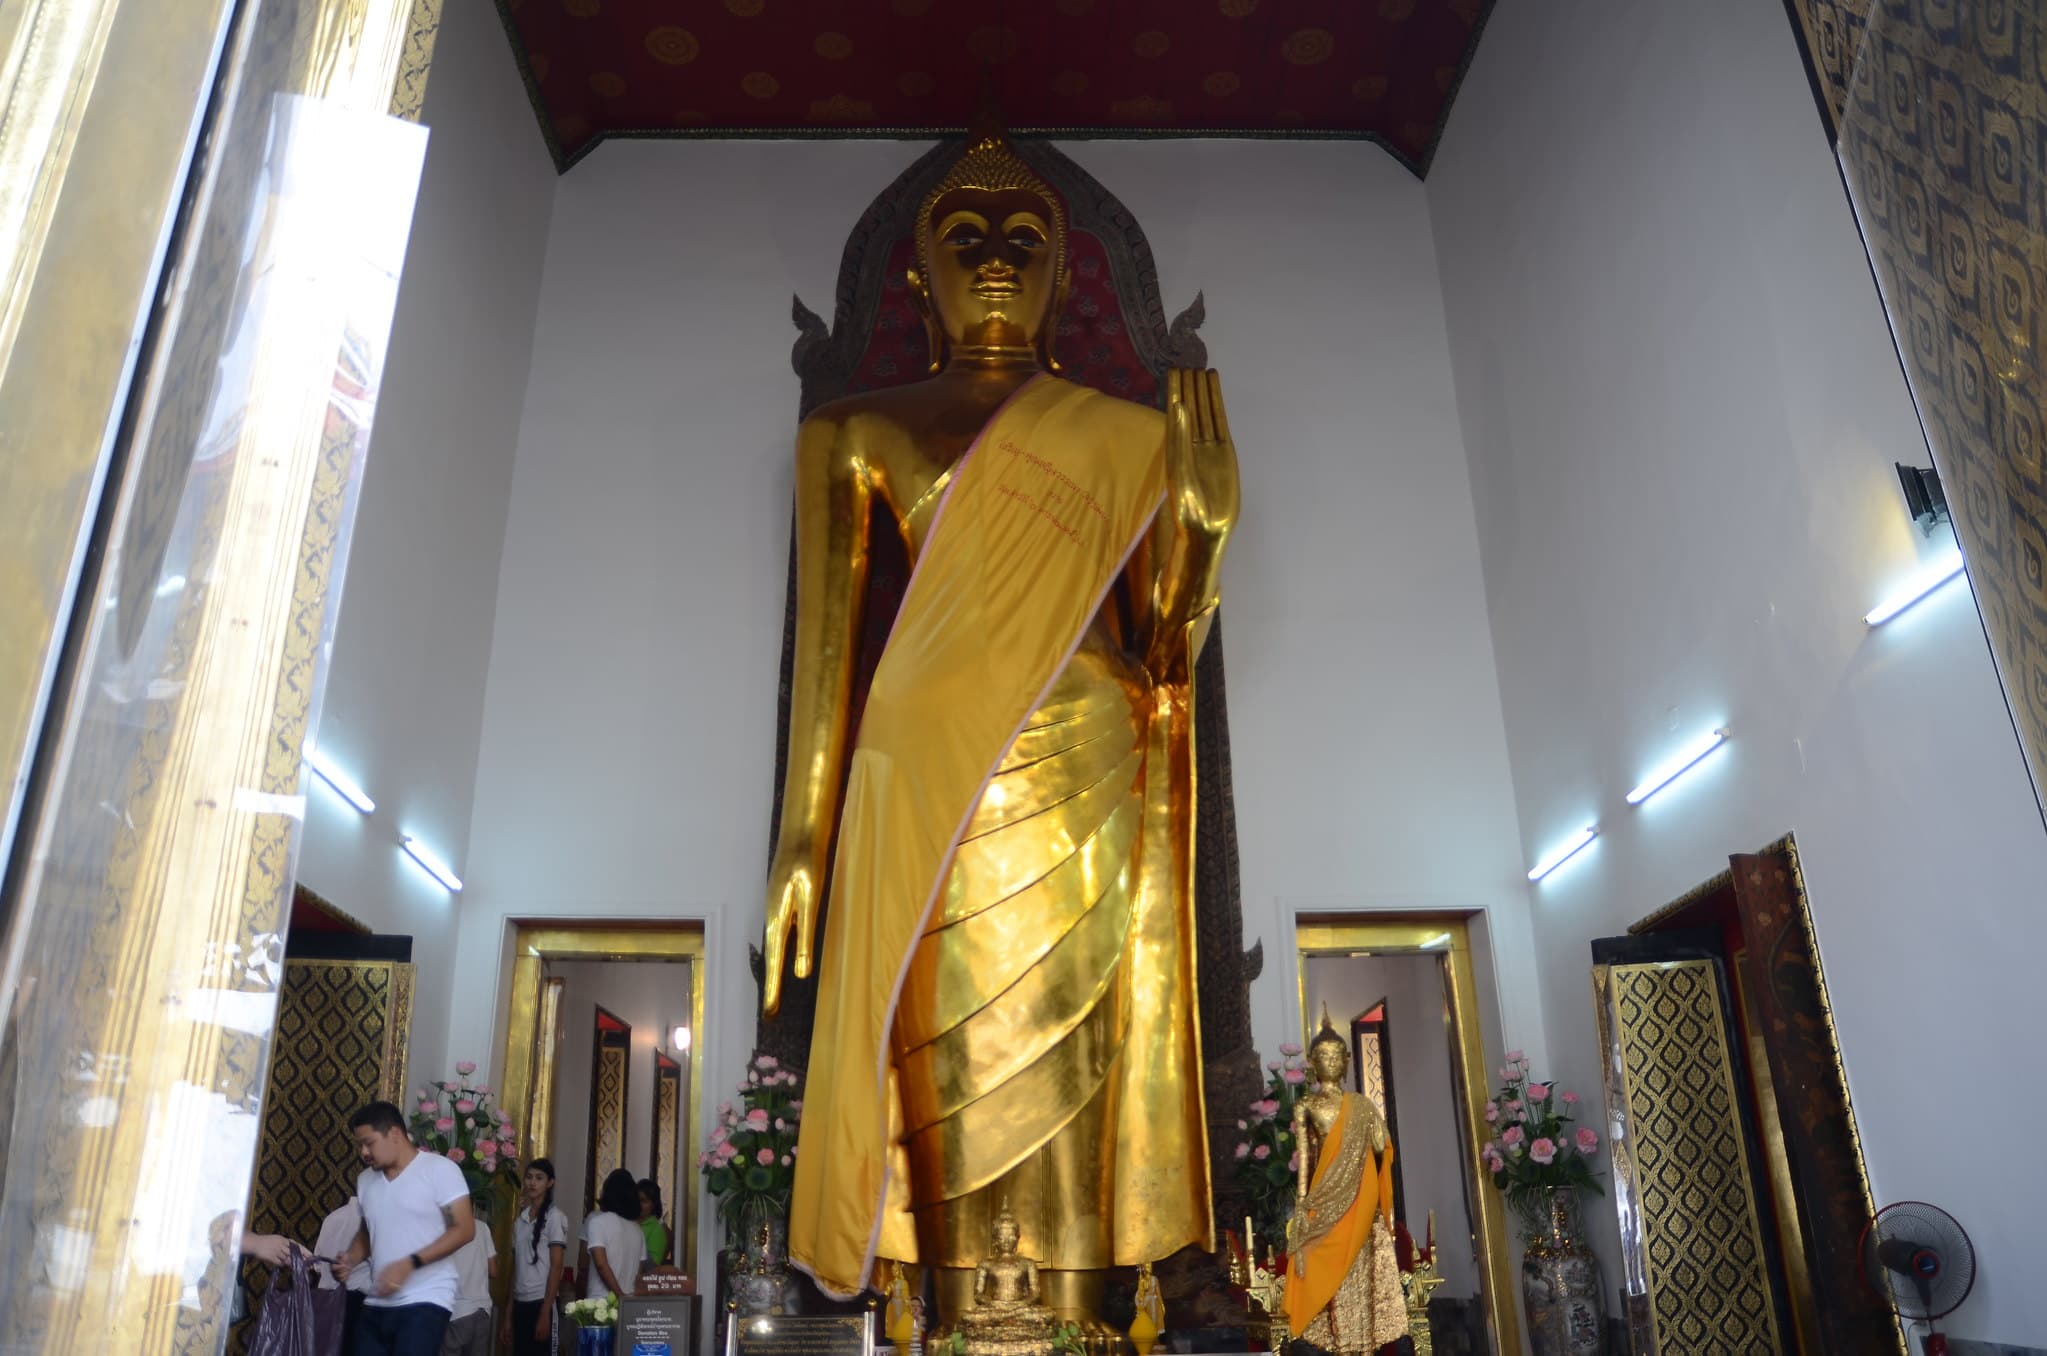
995	289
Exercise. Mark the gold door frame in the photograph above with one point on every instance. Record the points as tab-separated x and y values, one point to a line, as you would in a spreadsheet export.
1401	933
527	1063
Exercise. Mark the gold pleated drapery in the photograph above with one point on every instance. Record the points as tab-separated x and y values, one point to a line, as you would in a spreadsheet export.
1008	1002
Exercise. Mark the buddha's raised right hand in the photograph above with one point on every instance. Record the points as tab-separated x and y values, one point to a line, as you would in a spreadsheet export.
792	905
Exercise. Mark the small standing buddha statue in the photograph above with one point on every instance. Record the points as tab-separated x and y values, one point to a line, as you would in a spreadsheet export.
1343	1279
1009	1316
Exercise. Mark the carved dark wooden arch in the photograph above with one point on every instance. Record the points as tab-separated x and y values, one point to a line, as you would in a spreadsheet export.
828	363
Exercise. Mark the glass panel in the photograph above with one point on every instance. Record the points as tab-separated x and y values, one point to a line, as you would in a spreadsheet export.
145	947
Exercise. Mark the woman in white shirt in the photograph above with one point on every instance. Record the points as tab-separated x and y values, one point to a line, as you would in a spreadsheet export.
613	1239
540	1240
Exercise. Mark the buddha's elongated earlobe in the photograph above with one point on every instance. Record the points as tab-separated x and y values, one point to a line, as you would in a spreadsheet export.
934	333
1048	329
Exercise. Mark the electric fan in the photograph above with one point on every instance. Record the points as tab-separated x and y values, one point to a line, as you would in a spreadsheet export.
1919	1261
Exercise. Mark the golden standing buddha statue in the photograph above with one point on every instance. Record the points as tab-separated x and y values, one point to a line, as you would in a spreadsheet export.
1343	1276
1006	1005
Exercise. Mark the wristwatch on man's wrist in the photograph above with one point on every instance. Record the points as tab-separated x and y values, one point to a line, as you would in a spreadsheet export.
416	1263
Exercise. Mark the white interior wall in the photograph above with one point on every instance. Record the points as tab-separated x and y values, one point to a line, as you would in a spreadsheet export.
403	710
652	997
1428	1148
629	718
1681	405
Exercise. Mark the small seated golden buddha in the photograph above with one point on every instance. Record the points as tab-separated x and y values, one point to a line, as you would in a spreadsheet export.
1009	1316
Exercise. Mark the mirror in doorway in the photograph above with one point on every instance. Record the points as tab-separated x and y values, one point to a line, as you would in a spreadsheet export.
623	1087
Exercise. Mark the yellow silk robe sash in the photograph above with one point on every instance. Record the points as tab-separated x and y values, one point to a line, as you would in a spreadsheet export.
1350	1188
1042	514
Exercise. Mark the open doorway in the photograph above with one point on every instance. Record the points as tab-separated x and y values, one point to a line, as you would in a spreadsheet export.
601	1038
1402	989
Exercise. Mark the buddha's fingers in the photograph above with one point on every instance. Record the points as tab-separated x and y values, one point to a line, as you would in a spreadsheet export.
1215	404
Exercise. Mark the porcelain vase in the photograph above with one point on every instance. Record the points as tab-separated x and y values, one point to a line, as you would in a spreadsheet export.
1561	1289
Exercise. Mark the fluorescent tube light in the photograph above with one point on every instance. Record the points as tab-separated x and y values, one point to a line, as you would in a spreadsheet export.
343	784
678	1039
1680	763
1578	843
431	864
1921	582
170	586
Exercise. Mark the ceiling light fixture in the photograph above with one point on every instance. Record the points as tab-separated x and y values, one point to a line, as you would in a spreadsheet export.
343	785
431	864
1578	843
1680	763
1918	585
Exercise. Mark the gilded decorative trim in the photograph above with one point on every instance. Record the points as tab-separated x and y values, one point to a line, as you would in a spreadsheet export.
408	89
547	1048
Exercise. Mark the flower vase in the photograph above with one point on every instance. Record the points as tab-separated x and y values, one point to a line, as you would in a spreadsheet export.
1561	1288
761	1282
594	1341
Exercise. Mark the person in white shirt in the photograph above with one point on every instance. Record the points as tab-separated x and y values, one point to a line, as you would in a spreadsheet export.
415	1208
612	1238
540	1240
476	1267
337	1231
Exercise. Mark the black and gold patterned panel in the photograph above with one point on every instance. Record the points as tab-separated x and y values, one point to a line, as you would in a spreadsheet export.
1943	141
1831	32
611	1047
1697	1265
340	1042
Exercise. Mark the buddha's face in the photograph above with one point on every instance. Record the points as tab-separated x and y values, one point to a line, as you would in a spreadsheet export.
1327	1060
1006	1236
993	266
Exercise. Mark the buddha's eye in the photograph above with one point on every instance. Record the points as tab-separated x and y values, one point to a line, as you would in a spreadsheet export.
964	236
1026	238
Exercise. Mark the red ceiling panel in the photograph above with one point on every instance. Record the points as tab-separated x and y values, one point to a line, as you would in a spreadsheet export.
1383	70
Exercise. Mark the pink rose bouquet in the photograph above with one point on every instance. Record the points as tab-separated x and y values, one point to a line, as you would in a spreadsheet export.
460	1121
1535	1148
1264	1159
750	1162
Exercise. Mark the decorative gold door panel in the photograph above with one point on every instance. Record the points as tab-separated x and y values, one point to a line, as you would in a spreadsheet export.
611	1048
340	1042
1697	1274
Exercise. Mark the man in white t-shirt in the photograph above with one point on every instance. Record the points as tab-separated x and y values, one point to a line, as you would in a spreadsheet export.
415	1208
476	1266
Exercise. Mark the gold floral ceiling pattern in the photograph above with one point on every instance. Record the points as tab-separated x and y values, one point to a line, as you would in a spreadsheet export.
1378	70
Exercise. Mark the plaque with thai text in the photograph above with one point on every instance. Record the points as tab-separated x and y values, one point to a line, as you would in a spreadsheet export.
801	1335
655	1326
